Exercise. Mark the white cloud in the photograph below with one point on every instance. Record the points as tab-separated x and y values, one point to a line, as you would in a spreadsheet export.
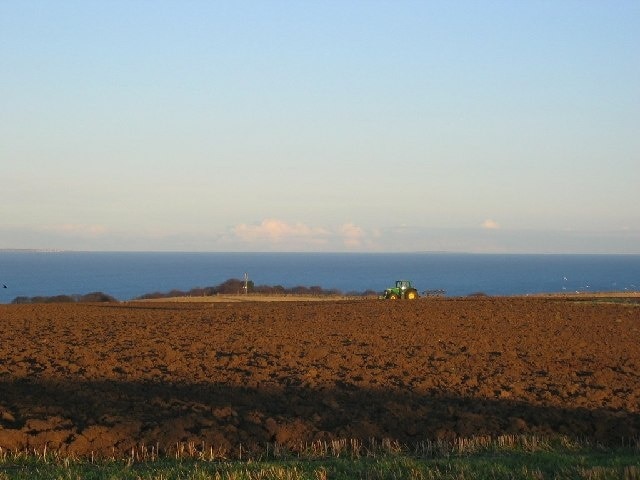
353	236
283	235
490	224
274	230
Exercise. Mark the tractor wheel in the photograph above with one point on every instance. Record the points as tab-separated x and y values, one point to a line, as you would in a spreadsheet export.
393	296
411	295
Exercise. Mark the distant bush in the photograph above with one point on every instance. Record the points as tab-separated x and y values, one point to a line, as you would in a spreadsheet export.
59	299
89	297
235	286
43	299
231	286
270	290
96	297
151	296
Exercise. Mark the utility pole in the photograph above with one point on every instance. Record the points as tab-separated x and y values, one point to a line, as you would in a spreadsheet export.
246	283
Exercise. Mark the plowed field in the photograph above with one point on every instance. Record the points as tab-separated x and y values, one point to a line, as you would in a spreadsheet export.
103	378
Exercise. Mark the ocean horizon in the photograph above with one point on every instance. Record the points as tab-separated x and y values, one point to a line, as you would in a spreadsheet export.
127	275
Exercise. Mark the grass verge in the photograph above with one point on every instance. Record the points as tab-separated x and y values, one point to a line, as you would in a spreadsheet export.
509	457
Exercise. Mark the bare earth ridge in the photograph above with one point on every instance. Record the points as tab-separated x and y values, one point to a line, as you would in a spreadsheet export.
103	378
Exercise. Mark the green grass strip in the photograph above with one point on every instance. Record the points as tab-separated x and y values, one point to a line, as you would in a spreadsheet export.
558	463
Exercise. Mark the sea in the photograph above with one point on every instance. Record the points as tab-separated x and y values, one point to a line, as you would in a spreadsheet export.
127	275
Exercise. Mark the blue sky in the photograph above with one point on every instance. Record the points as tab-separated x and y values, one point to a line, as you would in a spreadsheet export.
475	126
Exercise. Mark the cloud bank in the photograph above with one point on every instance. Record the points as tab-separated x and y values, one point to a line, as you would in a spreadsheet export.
279	233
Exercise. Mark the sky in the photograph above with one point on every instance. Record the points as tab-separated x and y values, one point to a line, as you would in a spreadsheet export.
365	126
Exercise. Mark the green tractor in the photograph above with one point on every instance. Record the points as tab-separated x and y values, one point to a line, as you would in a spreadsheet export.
403	289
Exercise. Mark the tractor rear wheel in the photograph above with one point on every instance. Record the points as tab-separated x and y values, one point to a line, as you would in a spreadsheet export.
411	295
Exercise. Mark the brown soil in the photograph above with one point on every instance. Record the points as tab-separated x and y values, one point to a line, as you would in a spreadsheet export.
104	378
